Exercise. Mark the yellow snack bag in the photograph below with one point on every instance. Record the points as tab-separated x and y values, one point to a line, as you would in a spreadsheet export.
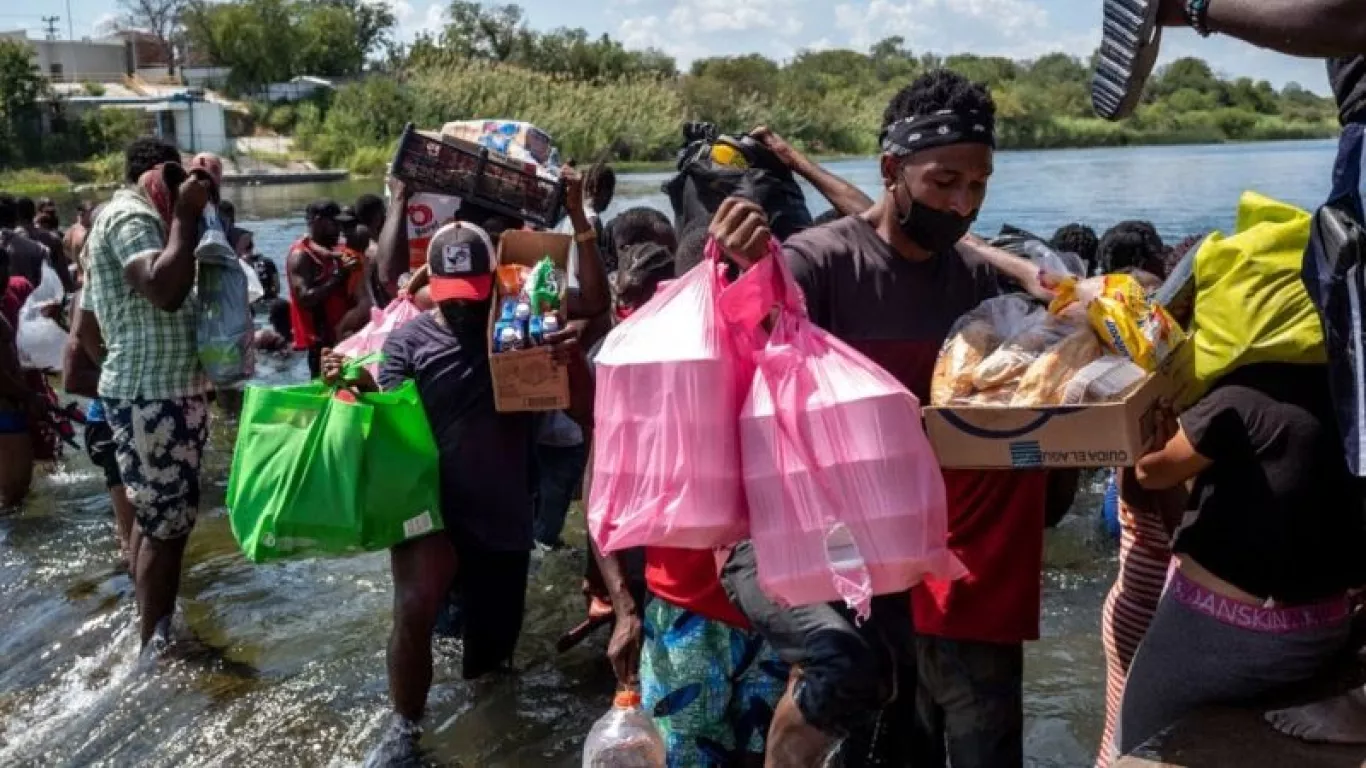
1118	310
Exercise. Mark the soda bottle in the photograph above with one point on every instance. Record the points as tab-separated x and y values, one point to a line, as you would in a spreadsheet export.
625	737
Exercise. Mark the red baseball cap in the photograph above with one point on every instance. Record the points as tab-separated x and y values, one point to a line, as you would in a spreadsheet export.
461	262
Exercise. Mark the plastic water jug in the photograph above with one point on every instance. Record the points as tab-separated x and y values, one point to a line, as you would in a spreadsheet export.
625	737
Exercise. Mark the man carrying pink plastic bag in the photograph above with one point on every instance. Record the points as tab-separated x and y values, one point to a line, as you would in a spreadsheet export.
890	284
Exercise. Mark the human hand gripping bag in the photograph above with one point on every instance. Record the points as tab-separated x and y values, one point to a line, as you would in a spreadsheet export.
846	497
314	473
666	441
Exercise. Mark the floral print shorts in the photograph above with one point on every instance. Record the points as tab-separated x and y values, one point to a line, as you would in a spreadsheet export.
160	445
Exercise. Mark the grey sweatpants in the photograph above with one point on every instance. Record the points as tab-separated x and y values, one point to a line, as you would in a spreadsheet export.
1189	659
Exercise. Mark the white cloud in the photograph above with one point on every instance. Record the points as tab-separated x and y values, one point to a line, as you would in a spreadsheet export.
410	21
880	19
736	16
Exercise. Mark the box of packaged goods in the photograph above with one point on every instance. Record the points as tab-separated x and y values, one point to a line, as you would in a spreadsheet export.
1080	384
453	167
528	305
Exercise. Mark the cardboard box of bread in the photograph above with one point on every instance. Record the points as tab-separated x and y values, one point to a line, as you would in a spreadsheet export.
528	302
1074	385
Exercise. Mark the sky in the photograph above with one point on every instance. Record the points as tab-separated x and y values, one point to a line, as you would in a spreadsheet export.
692	29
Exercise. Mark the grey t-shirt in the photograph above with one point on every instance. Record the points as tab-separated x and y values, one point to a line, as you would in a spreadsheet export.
485	455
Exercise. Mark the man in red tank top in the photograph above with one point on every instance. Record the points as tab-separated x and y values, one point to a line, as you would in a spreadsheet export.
318	295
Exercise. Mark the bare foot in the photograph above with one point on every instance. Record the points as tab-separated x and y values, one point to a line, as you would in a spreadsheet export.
1339	720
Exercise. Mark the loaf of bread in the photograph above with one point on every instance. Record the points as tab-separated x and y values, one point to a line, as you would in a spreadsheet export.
1000	396
1011	360
952	382
1044	382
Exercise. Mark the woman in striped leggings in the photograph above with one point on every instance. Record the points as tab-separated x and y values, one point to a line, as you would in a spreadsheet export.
1146	520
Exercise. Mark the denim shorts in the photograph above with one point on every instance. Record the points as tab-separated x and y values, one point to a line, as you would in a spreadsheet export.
160	445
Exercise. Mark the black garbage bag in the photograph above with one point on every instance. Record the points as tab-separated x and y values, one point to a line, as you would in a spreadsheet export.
1332	275
702	182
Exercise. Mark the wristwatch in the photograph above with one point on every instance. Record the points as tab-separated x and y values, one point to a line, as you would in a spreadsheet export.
586	236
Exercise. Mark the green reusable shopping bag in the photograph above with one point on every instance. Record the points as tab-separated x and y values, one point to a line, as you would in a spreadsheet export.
314	475
400	480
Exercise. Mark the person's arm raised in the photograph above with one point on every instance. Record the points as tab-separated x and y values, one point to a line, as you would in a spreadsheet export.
1308	28
593	298
164	274
391	249
843	196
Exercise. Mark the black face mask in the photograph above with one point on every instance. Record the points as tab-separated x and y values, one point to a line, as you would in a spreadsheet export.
466	320
932	229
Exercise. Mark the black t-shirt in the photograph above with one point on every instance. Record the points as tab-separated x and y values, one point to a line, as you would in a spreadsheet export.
485	455
1348	77
1276	514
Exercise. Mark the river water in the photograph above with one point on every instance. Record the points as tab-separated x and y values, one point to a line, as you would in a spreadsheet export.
305	683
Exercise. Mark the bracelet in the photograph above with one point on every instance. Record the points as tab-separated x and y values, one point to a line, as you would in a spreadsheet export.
1197	16
584	237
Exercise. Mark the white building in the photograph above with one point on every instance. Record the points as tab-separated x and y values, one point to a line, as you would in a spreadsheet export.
195	121
76	61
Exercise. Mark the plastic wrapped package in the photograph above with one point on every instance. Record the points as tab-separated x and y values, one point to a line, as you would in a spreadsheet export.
1107	379
962	353
846	498
1014	357
225	331
39	339
1118	310
1045	379
371	338
670	381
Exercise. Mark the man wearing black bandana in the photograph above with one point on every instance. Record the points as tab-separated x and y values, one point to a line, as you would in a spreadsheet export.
891	282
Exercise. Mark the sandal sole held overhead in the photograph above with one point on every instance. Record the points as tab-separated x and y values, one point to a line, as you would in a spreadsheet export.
1130	38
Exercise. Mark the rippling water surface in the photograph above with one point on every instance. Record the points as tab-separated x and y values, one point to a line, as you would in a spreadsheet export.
302	680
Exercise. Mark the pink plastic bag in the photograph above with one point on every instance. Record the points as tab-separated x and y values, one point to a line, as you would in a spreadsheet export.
666	441
371	338
846	498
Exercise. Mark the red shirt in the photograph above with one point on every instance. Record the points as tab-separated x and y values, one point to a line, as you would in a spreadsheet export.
996	522
688	579
898	313
16	293
317	325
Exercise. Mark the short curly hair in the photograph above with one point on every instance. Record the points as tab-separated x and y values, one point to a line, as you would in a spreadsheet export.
935	90
1079	239
1132	245
144	154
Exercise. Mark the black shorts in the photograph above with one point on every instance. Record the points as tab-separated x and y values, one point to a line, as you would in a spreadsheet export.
99	446
849	673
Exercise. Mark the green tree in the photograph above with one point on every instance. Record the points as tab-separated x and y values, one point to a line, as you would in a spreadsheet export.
22	90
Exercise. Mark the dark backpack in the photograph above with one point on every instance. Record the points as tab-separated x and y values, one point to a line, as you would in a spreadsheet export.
696	192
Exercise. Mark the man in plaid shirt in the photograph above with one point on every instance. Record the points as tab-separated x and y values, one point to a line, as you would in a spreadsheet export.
141	272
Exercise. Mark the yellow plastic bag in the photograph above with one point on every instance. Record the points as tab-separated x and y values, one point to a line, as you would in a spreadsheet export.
1118	310
1250	304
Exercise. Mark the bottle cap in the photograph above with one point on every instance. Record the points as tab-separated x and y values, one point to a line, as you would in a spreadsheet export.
627	698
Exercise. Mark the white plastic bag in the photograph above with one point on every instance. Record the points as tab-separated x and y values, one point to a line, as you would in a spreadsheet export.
255	291
39	339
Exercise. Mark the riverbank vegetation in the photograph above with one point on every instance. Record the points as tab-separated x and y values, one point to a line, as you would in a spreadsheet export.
594	95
